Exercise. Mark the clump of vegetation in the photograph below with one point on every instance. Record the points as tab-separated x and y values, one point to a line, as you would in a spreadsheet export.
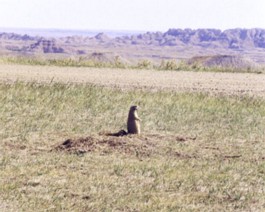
145	64
118	63
222	169
174	65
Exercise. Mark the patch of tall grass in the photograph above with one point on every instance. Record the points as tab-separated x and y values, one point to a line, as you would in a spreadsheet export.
172	65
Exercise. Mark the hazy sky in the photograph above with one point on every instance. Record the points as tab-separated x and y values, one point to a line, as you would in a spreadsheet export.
132	14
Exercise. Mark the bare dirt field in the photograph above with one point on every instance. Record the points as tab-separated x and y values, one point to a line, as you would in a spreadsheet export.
182	81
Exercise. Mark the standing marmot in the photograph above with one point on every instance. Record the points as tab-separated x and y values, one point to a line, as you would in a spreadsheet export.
133	122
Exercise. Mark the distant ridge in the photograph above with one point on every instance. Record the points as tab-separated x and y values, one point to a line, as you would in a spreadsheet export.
231	38
174	44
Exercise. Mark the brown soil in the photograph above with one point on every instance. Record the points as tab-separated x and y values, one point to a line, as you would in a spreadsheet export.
179	81
143	146
139	145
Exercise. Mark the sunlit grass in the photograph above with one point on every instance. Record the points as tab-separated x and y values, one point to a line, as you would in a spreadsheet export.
35	117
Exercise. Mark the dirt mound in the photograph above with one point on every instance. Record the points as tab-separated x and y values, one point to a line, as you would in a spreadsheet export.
225	61
140	145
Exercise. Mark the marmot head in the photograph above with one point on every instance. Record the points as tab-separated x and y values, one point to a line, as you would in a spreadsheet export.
134	107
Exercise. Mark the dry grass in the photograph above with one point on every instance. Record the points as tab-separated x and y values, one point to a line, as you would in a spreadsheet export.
178	81
221	170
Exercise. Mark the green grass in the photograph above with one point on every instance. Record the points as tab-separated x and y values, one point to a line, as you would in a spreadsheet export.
35	117
117	63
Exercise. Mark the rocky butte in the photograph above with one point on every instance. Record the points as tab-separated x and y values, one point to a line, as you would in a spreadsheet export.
174	44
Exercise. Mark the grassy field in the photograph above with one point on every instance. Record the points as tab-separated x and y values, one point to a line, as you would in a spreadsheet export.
220	165
172	65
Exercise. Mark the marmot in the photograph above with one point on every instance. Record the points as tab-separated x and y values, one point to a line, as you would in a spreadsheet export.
133	122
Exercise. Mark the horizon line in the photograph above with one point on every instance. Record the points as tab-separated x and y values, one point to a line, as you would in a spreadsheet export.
123	30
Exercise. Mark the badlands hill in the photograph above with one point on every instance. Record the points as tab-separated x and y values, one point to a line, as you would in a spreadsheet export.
175	44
